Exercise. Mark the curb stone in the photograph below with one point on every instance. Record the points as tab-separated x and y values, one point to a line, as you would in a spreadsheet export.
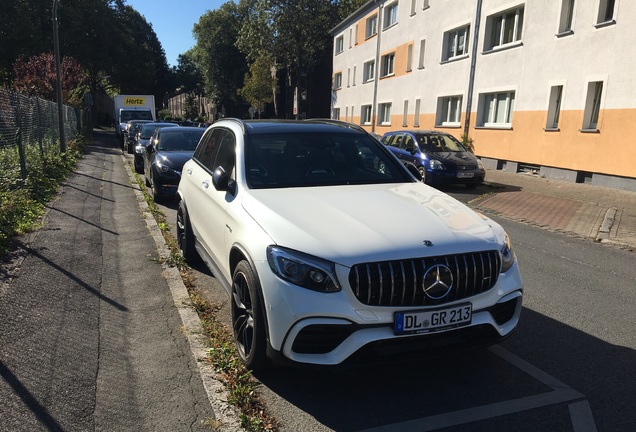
226	415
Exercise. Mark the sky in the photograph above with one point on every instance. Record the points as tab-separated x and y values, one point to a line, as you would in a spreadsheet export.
173	21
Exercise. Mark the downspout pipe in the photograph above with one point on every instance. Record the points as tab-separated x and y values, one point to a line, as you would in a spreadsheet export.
473	62
376	77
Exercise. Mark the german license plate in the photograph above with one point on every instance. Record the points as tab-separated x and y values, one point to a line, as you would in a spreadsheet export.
433	320
465	175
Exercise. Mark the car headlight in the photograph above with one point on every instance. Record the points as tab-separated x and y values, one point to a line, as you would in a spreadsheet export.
303	270
480	165
507	255
437	165
163	167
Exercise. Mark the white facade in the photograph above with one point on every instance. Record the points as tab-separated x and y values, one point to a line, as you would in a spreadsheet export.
553	87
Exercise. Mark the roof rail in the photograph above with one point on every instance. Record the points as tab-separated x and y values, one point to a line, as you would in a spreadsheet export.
237	120
339	122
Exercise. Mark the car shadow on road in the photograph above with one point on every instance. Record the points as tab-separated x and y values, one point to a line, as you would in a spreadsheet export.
388	395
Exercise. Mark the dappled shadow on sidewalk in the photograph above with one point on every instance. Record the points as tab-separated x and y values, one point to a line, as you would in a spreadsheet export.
71	276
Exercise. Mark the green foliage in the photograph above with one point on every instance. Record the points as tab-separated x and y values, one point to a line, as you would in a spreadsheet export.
260	85
467	141
223	64
22	201
191	107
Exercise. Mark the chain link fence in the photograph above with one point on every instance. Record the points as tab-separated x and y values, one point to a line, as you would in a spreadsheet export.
29	127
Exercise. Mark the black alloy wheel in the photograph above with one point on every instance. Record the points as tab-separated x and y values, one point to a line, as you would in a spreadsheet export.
247	318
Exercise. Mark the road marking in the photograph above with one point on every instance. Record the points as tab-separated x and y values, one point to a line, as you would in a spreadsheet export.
580	413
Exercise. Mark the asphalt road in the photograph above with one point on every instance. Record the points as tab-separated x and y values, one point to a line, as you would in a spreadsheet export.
568	367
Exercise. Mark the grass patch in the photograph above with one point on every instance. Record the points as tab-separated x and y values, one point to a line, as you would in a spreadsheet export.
22	199
222	354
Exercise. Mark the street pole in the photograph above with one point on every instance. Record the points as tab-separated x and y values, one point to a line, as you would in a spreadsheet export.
58	84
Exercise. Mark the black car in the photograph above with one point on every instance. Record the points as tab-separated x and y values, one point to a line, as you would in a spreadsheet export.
143	139
130	133
439	156
164	156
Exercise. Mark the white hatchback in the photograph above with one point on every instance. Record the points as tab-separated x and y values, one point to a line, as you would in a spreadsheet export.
333	251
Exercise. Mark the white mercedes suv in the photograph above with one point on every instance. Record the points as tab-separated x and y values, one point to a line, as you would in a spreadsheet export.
333	251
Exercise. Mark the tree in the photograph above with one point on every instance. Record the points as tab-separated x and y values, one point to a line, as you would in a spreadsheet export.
222	63
260	85
300	48
188	75
36	76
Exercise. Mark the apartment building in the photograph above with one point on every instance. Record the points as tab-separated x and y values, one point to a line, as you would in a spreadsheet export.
547	86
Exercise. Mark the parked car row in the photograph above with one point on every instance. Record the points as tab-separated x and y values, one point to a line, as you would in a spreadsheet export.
332	249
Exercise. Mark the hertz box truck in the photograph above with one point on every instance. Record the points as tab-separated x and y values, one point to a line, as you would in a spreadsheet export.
132	107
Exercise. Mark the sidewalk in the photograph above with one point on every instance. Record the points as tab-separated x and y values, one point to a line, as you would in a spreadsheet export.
604	214
91	338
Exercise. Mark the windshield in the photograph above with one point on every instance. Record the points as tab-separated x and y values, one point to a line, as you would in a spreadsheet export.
439	143
147	131
135	115
319	159
179	141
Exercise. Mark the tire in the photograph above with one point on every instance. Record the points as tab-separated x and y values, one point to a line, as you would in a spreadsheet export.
185	236
248	322
426	179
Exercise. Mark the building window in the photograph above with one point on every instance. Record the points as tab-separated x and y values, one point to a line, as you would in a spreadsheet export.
567	13
387	64
504	28
351	118
384	113
497	109
409	58
354	76
337	81
390	15
449	110
339	44
336	114
416	118
346	114
355	35
605	11
554	107
592	105
348	77
365	115
405	114
425	5
422	52
413	7
372	26
456	43
368	71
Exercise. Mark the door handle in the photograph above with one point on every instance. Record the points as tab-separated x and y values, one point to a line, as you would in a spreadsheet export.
189	171
206	183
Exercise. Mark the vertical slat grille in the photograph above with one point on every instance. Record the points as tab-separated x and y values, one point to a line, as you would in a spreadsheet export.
400	283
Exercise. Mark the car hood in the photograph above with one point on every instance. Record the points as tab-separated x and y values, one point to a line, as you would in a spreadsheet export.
455	158
349	225
175	159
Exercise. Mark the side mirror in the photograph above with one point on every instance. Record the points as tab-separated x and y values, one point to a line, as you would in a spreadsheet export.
221	180
414	171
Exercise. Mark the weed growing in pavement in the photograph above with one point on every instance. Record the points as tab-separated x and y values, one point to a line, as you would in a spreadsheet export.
222	354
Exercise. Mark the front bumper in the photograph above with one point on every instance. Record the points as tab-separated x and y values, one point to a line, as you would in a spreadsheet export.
308	327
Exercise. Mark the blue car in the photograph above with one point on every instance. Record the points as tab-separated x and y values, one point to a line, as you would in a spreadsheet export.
439	157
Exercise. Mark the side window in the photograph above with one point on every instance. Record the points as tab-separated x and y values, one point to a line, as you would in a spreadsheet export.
226	156
207	148
409	143
398	141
